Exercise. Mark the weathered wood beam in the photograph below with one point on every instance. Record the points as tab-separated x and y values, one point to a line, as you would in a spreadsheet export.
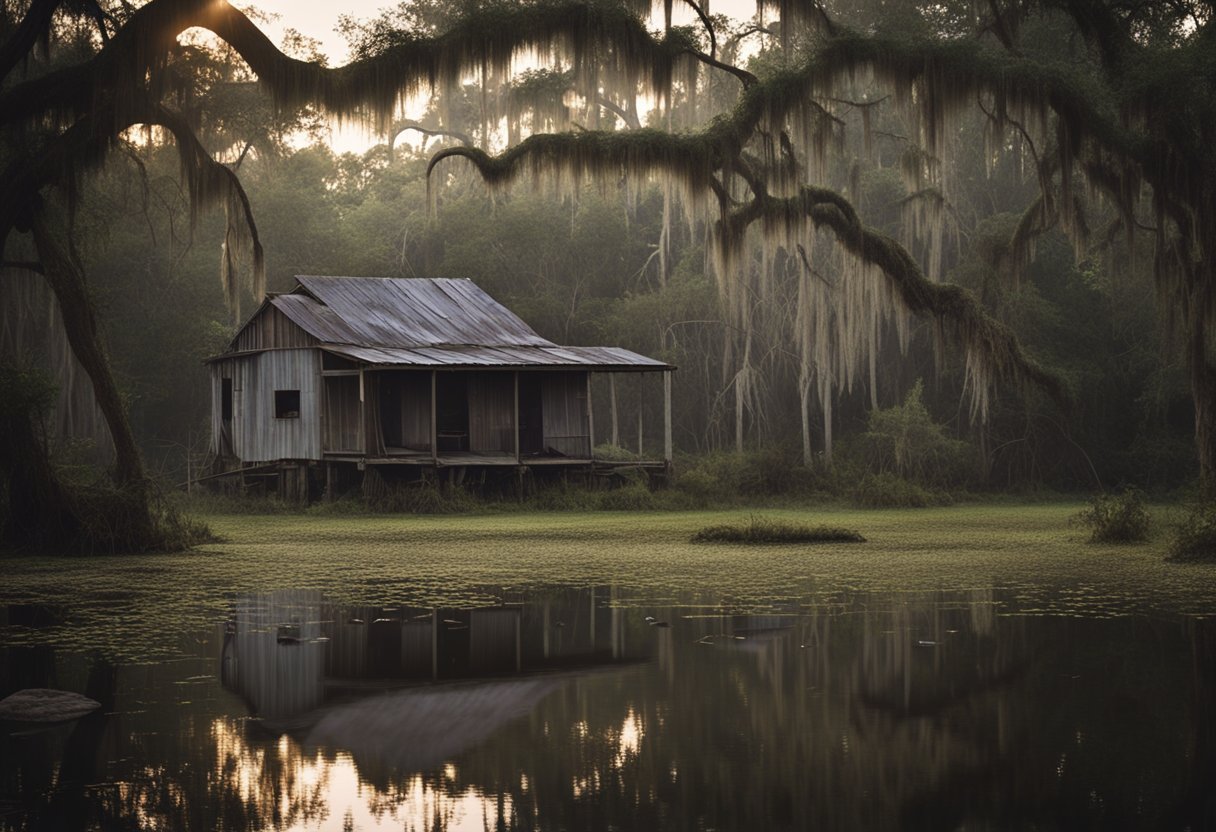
612	402
434	420
515	417
667	416
590	422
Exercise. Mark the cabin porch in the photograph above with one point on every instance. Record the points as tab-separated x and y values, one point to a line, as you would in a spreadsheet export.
465	418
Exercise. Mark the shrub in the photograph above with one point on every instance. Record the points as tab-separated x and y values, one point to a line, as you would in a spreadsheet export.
1116	518
1195	539
633	497
724	477
763	530
614	453
906	442
887	490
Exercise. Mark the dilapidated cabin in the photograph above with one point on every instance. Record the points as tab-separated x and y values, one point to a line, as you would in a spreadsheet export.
345	373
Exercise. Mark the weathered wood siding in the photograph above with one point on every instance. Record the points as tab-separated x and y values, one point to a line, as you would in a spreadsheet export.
405	409
564	413
341	422
270	329
491	412
257	435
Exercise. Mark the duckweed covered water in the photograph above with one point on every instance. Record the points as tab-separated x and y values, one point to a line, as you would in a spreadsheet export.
966	667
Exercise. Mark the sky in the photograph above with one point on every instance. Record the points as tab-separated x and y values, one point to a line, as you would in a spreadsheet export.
320	21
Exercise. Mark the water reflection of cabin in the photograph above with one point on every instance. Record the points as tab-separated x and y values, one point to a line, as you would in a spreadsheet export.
288	651
419	372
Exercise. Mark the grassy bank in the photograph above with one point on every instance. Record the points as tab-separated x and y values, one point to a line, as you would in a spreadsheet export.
1032	557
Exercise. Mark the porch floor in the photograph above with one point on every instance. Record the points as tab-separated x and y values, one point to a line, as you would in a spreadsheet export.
467	458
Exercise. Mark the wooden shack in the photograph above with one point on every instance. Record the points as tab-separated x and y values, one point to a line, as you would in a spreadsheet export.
356	372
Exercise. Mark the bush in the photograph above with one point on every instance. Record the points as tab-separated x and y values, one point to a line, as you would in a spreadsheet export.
887	490
763	530
1116	518
728	477
633	497
419	497
1195	539
614	453
905	441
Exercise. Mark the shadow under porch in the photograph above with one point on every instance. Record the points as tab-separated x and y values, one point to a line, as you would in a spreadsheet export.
467	418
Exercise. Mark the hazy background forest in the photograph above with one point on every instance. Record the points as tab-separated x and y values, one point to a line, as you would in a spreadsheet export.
620	266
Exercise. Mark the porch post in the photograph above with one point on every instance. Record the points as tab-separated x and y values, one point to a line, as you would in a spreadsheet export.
590	421
362	417
667	417
434	427
515	418
616	440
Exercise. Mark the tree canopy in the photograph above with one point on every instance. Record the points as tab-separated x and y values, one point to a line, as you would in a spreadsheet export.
763	149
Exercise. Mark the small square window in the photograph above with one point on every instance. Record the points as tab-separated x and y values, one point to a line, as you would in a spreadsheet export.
287	404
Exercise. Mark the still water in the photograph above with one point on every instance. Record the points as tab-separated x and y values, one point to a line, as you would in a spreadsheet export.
578	708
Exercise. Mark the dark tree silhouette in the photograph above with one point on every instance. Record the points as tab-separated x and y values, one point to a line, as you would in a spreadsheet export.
1132	115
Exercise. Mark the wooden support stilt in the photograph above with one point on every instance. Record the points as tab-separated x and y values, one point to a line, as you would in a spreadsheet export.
667	417
590	422
434	427
616	439
515	418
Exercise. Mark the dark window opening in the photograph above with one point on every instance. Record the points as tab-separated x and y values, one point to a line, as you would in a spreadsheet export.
226	399
287	404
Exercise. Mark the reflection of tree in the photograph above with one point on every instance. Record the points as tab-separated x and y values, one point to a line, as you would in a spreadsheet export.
1196	806
831	717
860	728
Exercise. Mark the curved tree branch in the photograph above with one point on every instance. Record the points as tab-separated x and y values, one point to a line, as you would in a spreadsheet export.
587	32
952	306
403	126
85	145
34	26
709	27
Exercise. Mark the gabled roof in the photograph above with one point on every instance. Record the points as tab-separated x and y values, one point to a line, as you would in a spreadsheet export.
409	312
431	322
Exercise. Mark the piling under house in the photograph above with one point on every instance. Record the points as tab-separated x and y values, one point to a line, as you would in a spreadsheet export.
350	374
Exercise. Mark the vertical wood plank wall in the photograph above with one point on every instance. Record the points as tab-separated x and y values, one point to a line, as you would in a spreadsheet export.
415	408
340	418
330	420
269	329
491	412
564	413
257	435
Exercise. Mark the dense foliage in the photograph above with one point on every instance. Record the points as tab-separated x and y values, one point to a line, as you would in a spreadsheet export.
1116	518
840	170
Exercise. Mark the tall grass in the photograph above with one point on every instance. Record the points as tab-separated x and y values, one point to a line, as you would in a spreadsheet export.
1116	518
758	530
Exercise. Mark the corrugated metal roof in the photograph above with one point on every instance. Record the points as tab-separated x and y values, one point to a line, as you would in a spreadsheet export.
315	319
601	358
416	312
431	322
